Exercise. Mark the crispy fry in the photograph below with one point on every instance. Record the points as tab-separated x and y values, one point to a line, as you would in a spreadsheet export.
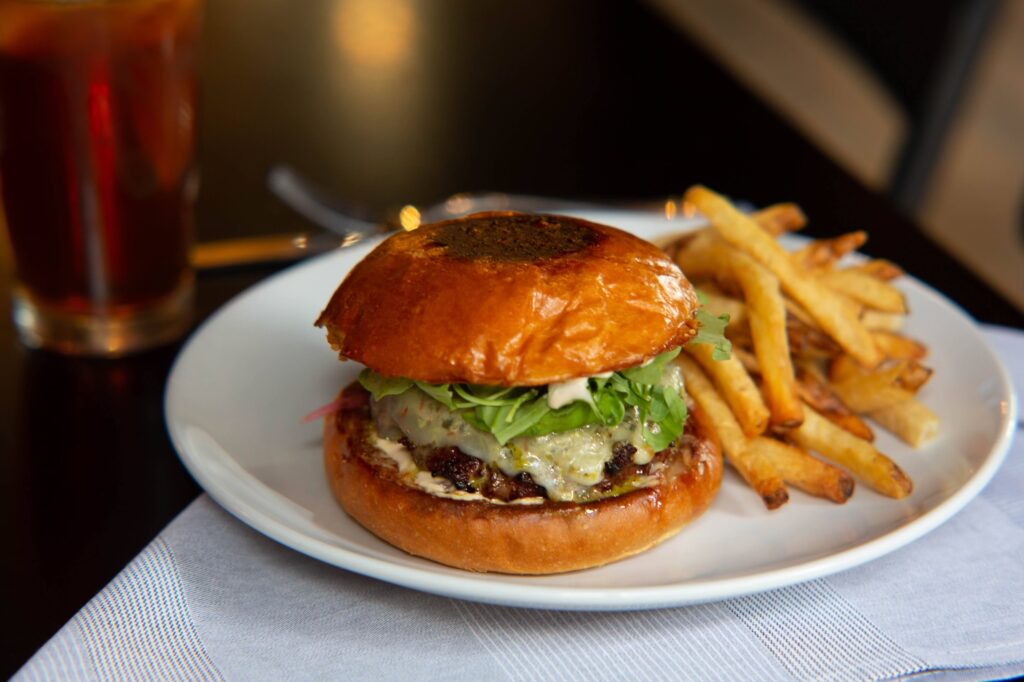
816	393
864	289
880	269
794	309
911	421
740	336
736	386
799	314
780	218
876	320
767	313
752	466
719	304
703	257
747	359
825	252
858	456
834	314
887	396
806	341
898	346
843	367
807	473
910	375
873	391
914	376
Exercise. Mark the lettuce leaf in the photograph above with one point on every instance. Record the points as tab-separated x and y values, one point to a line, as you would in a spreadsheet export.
650	373
510	412
712	331
380	386
507	412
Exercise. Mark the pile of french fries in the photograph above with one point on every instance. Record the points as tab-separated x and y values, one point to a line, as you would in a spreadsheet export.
816	350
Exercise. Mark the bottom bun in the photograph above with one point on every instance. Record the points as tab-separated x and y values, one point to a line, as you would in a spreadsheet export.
552	537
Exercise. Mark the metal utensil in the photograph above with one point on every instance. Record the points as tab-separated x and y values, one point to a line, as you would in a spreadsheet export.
347	225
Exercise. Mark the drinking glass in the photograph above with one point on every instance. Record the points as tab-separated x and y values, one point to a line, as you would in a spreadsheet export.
98	178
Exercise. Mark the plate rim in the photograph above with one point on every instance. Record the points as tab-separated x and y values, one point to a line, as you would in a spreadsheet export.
497	589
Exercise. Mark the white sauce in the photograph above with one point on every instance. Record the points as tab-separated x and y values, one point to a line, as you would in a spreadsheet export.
397	453
427	482
566	392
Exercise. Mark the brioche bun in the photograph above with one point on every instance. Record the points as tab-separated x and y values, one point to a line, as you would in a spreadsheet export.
550	537
510	299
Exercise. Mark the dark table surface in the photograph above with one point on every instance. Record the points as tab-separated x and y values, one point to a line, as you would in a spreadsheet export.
386	102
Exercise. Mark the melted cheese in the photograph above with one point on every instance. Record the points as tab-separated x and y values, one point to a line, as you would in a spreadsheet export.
566	464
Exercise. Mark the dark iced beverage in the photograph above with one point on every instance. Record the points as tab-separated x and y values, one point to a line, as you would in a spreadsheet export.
97	144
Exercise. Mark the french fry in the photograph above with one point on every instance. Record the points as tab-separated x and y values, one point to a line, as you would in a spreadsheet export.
876	320
858	456
911	421
834	314
767	319
736	386
807	341
873	391
703	256
752	466
914	376
747	359
843	367
869	291
780	218
816	393
826	252
898	346
719	304
807	473
793	309
890	395
910	375
880	269
799	315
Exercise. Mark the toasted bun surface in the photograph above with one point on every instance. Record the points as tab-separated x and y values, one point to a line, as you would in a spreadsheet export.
510	299
552	537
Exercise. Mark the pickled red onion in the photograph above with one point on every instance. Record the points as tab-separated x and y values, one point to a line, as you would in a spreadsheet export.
329	408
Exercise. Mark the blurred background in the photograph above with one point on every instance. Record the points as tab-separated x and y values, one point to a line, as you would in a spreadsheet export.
375	101
925	105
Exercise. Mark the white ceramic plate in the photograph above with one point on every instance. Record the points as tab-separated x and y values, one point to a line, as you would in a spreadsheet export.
240	387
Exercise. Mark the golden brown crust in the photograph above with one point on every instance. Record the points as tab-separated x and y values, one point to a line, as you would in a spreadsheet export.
552	537
510	299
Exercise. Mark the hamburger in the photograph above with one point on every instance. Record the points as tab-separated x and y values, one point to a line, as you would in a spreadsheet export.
519	411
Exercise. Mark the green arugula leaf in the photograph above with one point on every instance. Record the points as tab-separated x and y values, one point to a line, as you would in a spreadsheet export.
440	392
511	412
712	331
475	396
380	386
505	429
571	416
650	373
609	405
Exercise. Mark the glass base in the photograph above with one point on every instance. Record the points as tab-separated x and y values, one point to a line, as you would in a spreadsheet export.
107	335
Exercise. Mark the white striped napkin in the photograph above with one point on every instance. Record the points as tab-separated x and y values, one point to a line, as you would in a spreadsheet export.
211	599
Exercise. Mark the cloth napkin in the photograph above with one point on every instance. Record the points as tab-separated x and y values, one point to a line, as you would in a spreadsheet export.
211	599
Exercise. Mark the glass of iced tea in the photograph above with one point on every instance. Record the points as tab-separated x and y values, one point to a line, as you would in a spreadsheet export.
97	168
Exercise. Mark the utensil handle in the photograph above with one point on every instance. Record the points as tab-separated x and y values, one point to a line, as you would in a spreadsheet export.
262	250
